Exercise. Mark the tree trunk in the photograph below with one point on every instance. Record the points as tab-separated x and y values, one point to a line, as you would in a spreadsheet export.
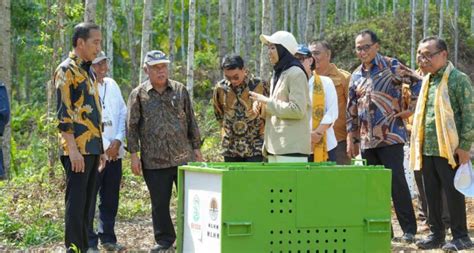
233	11
171	41
273	16
266	29
301	20
395	7
456	31
426	11
441	19
322	18
239	25
347	16
146	32
338	17
61	26
109	36
472	17
90	10
130	14
208	24
224	39
292	16
183	52
310	21
6	72
413	28
384	6
257	32
247	36
285	15
59	50
190	62
354	11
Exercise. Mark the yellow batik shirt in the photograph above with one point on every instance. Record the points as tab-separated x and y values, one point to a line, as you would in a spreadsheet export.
78	109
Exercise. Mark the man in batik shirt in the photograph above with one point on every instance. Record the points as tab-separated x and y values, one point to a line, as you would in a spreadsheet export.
80	124
375	119
161	125
241	126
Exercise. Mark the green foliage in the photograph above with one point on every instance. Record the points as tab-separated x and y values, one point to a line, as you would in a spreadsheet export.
395	36
30	129
9	228
209	130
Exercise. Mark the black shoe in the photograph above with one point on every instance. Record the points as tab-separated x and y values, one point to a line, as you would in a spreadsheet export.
408	238
458	244
431	242
159	248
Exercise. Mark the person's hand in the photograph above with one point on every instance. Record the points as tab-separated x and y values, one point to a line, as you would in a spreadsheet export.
256	107
136	164
77	161
112	151
259	97
103	161
352	149
315	138
198	155
404	114
463	156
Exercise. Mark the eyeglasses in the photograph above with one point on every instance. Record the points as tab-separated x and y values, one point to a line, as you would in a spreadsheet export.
427	57
364	48
315	53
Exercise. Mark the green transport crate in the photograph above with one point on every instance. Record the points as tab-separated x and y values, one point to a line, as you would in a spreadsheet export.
283	207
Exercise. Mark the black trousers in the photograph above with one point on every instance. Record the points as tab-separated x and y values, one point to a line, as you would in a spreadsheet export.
341	154
229	159
392	158
423	206
160	185
108	187
438	175
79	194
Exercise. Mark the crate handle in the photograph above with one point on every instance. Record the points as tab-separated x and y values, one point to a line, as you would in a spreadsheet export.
238	228
383	225
354	160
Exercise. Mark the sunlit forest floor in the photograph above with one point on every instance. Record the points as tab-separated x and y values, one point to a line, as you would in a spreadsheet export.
137	234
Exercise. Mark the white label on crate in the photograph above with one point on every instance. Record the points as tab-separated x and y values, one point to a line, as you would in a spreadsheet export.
202	212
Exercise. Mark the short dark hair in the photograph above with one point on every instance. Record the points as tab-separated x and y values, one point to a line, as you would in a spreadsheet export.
82	31
323	43
232	62
440	43
373	36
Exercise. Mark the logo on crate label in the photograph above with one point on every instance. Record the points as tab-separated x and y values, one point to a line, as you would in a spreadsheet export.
213	209
196	214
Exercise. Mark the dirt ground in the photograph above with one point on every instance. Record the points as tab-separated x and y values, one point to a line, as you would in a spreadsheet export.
137	235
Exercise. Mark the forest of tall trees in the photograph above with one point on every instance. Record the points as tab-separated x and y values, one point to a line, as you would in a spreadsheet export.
196	34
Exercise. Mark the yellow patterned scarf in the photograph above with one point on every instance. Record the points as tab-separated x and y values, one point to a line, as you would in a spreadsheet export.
446	132
320	149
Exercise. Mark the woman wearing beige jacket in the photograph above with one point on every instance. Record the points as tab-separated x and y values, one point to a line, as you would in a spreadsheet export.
288	109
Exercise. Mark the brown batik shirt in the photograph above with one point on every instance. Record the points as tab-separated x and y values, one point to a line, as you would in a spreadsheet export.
241	128
162	126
